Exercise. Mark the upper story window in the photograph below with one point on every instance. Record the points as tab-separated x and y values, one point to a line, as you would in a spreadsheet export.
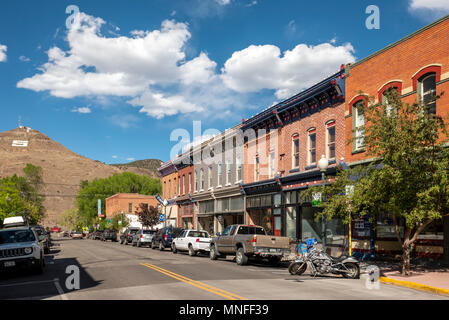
202	179
165	189
239	168
228	171
169	189
174	186
130	207
190	182
272	164
210	176
195	177
427	85
330	139
358	115
257	169
386	96
179	185
183	184
312	146
295	152
220	172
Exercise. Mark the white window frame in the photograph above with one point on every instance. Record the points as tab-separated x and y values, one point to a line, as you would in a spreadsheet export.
359	128
256	168
295	138
311	132
331	124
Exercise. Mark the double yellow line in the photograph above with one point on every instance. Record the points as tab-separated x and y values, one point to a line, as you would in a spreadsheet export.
206	287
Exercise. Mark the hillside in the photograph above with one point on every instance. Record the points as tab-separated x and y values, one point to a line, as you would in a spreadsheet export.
147	166
63	170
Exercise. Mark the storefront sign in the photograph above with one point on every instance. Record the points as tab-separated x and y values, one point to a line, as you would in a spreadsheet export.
316	199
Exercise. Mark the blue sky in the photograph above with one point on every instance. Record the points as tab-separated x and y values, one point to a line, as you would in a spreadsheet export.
126	74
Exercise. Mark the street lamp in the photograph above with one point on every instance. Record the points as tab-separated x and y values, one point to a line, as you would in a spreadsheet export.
323	164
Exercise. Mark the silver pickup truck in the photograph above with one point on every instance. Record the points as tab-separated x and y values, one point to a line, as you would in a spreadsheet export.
247	241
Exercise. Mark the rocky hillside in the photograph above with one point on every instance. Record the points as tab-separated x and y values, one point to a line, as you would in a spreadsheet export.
63	170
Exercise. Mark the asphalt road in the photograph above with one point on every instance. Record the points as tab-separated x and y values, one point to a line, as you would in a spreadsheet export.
112	271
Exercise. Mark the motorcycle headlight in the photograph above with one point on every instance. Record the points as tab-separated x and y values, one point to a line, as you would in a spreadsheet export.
28	250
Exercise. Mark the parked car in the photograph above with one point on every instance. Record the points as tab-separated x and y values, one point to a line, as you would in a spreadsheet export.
20	248
164	237
66	234
96	235
143	238
193	241
247	241
43	237
127	236
77	235
109	235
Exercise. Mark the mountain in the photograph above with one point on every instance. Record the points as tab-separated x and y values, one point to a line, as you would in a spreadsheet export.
63	169
148	167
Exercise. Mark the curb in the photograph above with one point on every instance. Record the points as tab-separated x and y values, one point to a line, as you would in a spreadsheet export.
413	285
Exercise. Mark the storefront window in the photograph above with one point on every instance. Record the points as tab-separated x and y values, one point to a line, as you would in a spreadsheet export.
277	199
385	227
206	206
291	223
309	227
237	203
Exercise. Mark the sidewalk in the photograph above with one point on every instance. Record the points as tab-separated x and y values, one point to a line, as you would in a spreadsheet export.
425	277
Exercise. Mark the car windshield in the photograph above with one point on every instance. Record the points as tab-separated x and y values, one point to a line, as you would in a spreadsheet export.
15	236
198	234
148	231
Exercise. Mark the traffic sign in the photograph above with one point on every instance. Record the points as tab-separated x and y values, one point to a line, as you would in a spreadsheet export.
161	218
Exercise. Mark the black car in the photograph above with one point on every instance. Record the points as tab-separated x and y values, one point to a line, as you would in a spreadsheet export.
44	237
109	235
164	237
127	236
97	234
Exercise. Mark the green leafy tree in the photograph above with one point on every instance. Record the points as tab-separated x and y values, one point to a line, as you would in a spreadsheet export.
21	195
72	220
409	178
127	182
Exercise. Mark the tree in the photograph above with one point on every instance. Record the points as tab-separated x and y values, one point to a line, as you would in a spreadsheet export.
148	215
20	195
72	220
409	178
127	182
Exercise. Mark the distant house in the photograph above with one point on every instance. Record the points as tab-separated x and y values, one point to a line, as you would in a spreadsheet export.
127	203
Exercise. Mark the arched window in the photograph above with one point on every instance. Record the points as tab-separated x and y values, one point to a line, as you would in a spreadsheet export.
427	89
357	107
330	139
386	93
311	146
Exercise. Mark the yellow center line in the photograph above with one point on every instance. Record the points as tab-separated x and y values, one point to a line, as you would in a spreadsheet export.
195	283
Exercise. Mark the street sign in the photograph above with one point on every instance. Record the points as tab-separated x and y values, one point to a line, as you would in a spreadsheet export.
316	198
159	198
99	207
161	218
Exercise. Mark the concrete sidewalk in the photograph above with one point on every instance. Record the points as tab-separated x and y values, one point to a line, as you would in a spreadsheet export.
425	278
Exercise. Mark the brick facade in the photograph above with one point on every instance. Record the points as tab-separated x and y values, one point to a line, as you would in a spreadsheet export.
124	201
400	64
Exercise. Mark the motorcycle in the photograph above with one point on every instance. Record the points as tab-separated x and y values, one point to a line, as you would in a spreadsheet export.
321	263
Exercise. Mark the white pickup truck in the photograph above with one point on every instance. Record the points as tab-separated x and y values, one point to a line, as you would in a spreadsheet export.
193	241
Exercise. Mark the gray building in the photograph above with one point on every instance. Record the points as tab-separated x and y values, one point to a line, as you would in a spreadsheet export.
218	176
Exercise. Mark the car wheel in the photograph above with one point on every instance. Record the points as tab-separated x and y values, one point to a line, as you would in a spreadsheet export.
241	258
274	261
173	248
39	269
213	253
139	244
153	245
121	241
192	252
161	246
126	242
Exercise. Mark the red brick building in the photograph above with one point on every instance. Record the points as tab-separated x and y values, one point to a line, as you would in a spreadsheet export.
417	66
127	202
185	178
282	160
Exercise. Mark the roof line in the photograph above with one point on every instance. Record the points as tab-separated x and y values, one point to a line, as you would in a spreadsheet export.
399	41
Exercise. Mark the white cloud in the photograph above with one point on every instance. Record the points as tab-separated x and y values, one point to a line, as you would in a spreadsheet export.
223	2
24	59
253	3
430	4
82	110
114	157
262	67
130	159
3	50
96	65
